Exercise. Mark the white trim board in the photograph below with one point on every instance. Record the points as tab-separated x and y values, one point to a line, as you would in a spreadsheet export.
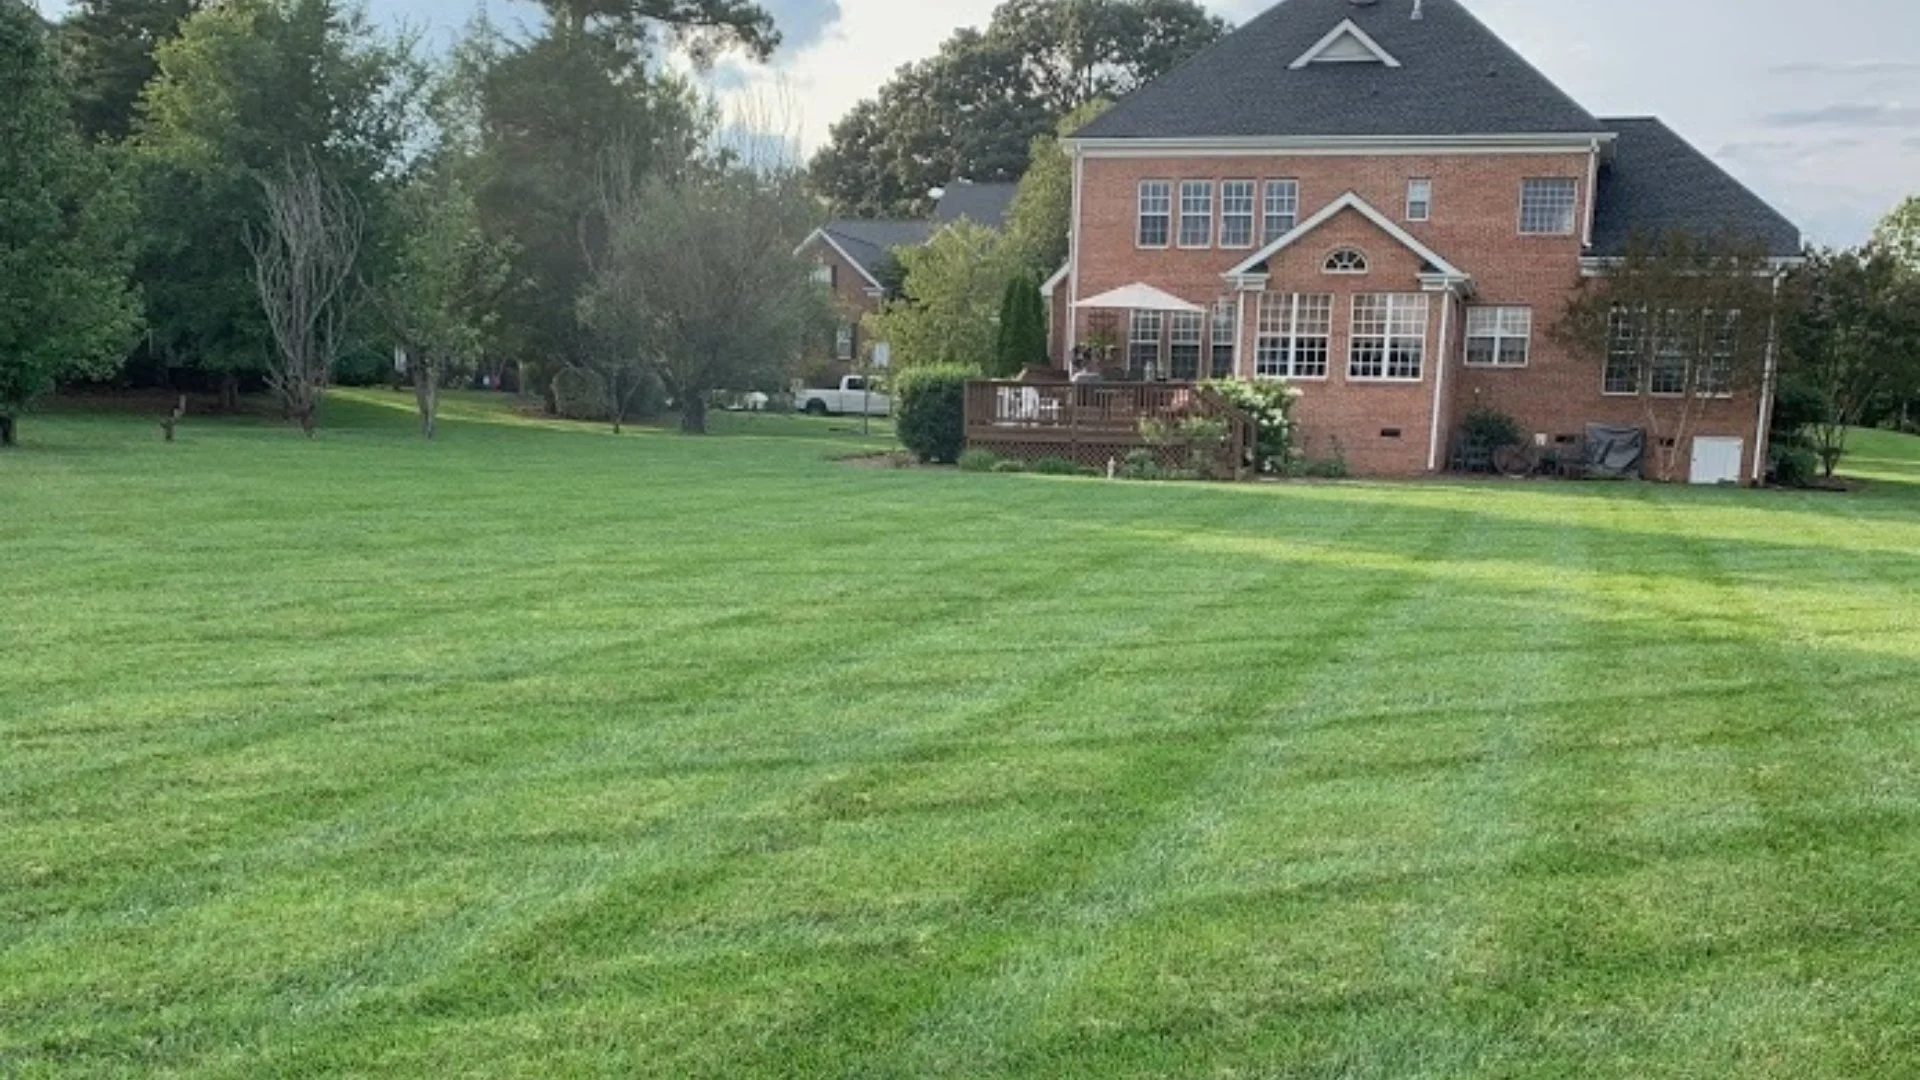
1349	201
1328	49
1342	145
1048	286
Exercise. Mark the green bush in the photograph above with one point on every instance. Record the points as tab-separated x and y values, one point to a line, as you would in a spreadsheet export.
978	460
579	394
929	405
1793	465
1490	429
1055	466
1009	466
1142	464
1270	403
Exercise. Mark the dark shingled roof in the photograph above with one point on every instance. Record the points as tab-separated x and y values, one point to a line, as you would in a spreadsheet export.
982	204
1457	78
871	243
1657	183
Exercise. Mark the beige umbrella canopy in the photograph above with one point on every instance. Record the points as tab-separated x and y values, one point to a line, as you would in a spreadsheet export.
1139	297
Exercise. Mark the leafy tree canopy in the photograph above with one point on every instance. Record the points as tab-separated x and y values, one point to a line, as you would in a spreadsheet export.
65	304
107	47
973	110
1899	233
1042	209
953	290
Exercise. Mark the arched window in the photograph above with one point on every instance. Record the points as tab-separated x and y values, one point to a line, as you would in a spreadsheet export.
1346	261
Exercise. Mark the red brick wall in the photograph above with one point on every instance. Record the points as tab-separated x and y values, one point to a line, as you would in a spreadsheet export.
851	304
1474	225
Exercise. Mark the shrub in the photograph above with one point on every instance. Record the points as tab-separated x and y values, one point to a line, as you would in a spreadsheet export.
1270	403
1490	429
1142	464
1792	465
1056	466
1009	466
978	460
579	394
929	405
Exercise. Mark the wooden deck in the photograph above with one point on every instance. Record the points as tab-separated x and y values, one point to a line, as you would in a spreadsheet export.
1092	423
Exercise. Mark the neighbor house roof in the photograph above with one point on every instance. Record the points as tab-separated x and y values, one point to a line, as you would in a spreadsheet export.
982	204
870	244
1448	75
1656	182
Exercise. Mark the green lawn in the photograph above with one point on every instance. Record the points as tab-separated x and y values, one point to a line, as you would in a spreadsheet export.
541	752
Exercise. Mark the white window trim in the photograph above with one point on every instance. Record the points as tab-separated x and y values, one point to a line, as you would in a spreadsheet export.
1347	28
1140	214
1394	300
1366	262
1573	213
1499	335
1265	214
1254	219
1181	215
1425	214
1291	352
1640	376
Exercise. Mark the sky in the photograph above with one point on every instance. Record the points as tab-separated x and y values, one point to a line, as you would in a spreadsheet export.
1815	104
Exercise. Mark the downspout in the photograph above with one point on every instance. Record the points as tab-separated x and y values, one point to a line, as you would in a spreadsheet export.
1593	193
1440	376
1763	427
1073	260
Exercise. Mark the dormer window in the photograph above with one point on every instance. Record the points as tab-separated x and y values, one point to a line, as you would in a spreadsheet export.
1346	261
1345	44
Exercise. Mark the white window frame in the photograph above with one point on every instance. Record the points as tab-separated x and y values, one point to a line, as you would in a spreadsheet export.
1420	199
1500	334
1154	194
1279	205
1536	188
825	273
1626	340
1394	305
843	342
1187	330
1669	343
1360	266
1196	205
1279	340
1223	332
1248	218
1138	335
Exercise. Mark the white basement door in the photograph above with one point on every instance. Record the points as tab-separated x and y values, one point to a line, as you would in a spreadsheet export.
1716	460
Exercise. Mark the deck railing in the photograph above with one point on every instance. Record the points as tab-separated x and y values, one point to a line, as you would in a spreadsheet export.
1084	420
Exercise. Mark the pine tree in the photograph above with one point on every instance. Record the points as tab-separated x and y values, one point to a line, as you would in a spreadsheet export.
66	307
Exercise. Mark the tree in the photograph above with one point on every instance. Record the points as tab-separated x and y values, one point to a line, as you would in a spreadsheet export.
248	85
1899	233
1687	321
952	291
447	276
65	302
1042	210
973	109
304	268
107	48
699	281
1854	340
1022	339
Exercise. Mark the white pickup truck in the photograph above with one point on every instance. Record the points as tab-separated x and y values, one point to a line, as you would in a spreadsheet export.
852	398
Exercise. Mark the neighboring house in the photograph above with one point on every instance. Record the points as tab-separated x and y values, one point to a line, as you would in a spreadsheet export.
855	259
1380	201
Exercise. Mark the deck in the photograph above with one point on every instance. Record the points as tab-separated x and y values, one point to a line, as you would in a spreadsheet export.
1094	423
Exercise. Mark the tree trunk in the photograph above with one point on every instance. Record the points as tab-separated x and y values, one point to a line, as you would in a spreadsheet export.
7	435
693	415
229	392
426	392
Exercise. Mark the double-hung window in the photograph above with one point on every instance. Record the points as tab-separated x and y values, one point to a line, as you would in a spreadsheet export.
1280	211
1389	337
1196	213
1236	214
1156	213
1419	199
843	342
1185	339
1499	336
1547	206
1626	342
1221	339
1294	336
1716	379
1143	346
1667	374
823	274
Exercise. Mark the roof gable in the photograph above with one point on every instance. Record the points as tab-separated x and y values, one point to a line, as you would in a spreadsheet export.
982	204
1345	44
1455	77
1435	263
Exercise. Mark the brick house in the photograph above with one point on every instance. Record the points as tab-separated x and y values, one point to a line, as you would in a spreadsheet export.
855	259
1382	202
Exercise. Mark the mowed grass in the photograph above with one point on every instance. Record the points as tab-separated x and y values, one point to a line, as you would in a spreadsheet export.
542	752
